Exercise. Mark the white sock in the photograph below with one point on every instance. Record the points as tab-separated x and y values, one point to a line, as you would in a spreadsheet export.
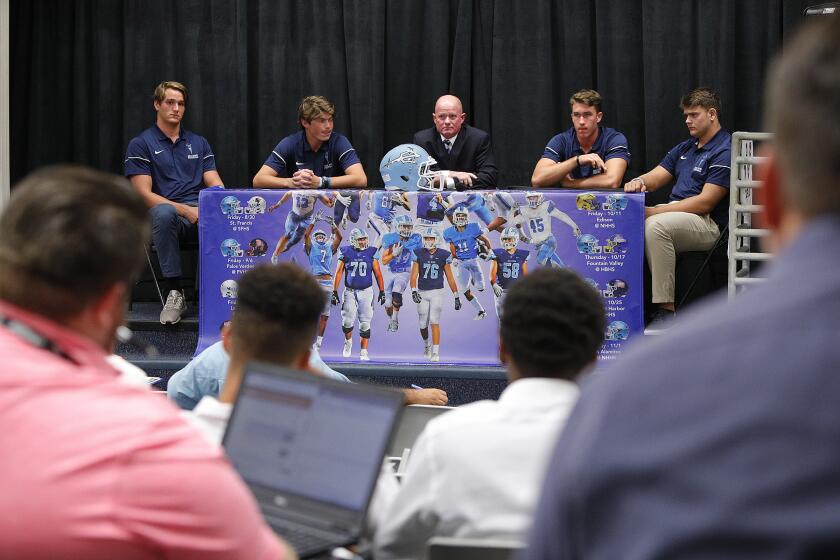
436	349
475	303
319	340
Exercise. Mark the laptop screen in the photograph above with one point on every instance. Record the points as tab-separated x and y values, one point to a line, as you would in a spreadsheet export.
319	439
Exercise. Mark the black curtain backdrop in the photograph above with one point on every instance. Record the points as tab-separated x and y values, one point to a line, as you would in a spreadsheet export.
83	71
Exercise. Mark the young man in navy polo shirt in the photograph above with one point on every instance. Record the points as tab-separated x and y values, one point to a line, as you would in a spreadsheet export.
168	166
699	203
587	155
310	158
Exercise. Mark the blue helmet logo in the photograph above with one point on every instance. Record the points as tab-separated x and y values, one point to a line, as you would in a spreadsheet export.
231	248
588	244
230	205
617	330
615	202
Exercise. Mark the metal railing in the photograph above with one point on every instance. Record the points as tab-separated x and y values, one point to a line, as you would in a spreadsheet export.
743	250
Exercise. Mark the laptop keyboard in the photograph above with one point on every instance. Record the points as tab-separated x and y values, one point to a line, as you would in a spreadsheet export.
302	539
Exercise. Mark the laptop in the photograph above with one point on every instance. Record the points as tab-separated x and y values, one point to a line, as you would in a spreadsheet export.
310	449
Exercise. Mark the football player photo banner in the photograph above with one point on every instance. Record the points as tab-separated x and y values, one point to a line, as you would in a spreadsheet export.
419	277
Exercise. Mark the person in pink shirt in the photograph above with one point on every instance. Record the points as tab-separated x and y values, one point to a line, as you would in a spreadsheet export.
91	467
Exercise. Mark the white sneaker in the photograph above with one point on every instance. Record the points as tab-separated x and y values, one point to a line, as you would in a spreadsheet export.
435	357
348	348
363	355
393	325
428	352
173	308
481	315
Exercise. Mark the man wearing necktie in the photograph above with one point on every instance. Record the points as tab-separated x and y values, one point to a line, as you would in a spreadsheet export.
463	150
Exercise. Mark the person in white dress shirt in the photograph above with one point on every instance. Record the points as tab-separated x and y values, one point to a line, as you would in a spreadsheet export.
476	472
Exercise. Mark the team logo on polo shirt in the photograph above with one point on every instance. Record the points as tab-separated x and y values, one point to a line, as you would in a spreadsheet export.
698	165
192	155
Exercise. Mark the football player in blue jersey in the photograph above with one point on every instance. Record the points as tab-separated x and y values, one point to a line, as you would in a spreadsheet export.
476	203
347	205
320	249
537	215
504	207
429	266
395	253
431	210
510	265
464	239
358	263
383	208
303	203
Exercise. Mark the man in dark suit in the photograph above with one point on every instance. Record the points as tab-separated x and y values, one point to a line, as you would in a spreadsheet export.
463	150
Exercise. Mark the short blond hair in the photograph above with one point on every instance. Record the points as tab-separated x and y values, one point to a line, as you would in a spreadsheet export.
312	106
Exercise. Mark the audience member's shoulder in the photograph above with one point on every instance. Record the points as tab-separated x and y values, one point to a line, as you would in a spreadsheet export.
463	415
144	422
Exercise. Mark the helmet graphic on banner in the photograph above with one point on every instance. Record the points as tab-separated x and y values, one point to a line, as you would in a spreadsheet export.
588	244
257	247
229	289
256	205
615	202
616	244
617	330
408	167
616	288
230	205
231	248
587	201
319	236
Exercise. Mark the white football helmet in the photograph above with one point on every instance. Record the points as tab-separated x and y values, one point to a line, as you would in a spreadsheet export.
509	238
534	198
430	238
256	205
319	233
404	225
229	289
358	239
460	217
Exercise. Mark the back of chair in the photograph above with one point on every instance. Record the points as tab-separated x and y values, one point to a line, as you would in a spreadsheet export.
414	419
454	548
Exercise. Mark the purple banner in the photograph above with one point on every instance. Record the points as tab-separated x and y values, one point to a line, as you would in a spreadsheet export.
598	234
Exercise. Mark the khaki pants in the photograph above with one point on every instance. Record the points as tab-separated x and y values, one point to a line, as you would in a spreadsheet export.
668	234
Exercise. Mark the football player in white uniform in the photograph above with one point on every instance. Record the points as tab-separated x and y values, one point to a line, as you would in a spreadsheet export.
303	203
537	215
